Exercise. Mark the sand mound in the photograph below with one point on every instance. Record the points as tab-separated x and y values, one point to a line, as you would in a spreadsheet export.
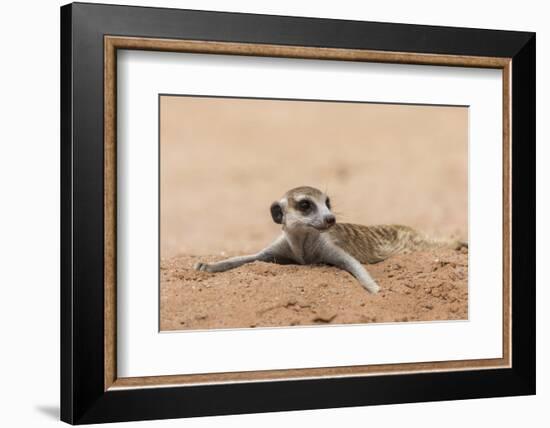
422	286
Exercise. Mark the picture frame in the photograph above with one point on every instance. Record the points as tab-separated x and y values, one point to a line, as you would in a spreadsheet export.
91	36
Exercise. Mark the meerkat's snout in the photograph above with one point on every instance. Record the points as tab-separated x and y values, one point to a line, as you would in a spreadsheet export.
330	220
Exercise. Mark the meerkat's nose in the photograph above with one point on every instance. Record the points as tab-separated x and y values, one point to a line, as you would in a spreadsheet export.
330	220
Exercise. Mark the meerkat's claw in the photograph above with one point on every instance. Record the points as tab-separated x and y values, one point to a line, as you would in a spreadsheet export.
203	267
373	288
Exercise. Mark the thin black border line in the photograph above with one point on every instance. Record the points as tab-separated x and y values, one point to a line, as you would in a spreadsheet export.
311	100
158	210
236	97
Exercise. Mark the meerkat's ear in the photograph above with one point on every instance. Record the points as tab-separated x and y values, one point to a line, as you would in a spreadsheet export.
276	212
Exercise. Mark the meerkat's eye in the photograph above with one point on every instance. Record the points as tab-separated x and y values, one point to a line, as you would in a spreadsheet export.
328	203
304	205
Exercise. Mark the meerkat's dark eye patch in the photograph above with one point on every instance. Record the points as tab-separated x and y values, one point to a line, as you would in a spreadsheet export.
305	205
328	204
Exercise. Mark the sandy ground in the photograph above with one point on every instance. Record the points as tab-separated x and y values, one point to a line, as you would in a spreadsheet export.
223	161
419	287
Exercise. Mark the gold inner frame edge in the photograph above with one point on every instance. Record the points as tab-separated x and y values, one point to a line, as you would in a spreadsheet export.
113	43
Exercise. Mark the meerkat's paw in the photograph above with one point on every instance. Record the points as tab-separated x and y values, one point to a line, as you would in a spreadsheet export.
372	287
203	267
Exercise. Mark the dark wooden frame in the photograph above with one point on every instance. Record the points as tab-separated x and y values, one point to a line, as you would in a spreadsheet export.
90	34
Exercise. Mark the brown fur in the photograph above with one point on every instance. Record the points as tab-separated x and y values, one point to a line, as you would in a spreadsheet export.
373	244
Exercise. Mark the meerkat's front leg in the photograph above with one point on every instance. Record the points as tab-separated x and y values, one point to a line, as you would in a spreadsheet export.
277	252
224	265
338	257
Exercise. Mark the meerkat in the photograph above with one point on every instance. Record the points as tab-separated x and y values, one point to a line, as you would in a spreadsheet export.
311	235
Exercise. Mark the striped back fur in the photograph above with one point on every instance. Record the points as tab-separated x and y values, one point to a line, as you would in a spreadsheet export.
372	244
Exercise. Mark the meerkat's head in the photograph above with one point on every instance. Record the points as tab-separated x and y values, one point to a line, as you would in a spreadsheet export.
303	207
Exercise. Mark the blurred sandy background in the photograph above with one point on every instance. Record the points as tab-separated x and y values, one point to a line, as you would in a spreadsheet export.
223	161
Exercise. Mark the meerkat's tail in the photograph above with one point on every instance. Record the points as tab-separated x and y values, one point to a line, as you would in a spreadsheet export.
409	240
423	241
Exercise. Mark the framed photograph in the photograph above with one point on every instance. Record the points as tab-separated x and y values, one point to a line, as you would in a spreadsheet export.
265	213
